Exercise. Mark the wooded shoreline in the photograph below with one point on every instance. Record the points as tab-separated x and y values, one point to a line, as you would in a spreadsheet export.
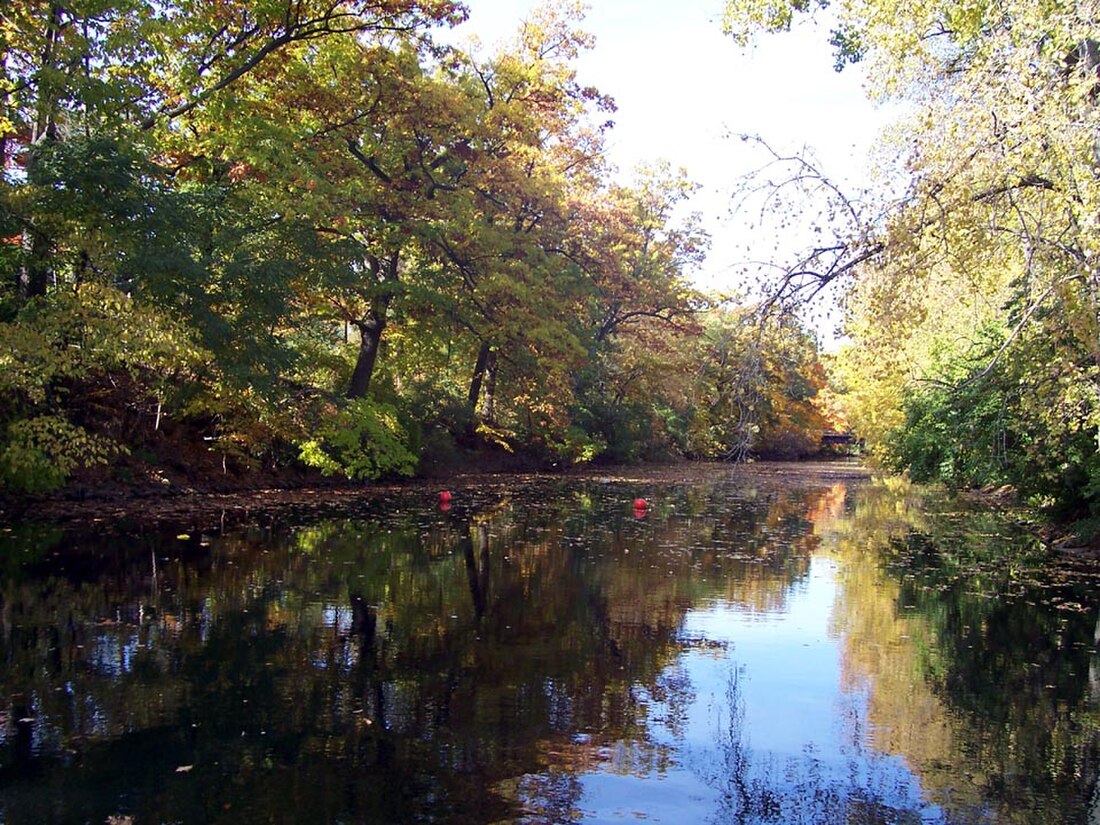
253	245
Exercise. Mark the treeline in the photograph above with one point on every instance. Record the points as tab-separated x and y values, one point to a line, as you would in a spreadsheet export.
973	297
307	232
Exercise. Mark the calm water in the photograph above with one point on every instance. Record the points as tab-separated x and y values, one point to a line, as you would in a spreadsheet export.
749	651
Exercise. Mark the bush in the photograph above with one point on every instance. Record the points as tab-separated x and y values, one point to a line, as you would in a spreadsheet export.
956	436
39	453
59	360
362	440
1030	421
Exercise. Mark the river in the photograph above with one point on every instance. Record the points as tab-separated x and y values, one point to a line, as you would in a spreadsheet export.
747	648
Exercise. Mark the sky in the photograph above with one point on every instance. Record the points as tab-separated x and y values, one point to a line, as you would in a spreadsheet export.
684	91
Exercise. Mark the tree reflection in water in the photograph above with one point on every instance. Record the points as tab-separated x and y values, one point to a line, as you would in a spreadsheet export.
517	657
866	788
973	646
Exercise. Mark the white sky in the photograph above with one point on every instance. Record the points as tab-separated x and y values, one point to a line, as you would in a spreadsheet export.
682	87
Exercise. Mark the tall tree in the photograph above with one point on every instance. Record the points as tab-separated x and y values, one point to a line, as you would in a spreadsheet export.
535	141
1000	153
635	307
82	68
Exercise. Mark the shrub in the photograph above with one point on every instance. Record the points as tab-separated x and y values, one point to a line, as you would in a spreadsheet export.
361	440
59	359
38	454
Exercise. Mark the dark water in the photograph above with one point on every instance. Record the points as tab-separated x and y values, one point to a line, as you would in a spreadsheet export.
750	651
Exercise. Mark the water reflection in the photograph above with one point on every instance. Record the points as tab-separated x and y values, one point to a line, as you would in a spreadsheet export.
753	650
975	659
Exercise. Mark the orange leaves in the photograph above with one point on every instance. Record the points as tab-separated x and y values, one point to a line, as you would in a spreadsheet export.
240	171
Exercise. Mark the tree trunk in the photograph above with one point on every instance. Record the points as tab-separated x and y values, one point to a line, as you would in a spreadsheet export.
370	338
478	377
473	580
385	271
477	567
34	275
488	397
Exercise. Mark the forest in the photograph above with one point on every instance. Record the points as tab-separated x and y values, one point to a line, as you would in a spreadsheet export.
240	239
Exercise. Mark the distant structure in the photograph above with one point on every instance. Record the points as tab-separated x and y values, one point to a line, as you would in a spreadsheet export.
831	439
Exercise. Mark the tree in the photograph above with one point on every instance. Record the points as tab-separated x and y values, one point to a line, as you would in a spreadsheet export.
120	172
86	68
636	309
636	256
759	379
535	145
1000	151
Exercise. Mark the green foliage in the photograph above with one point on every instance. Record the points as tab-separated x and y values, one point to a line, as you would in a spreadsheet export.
1027	419
961	438
54	359
575	446
624	428
38	454
974	310
629	430
361	440
760	379
216	220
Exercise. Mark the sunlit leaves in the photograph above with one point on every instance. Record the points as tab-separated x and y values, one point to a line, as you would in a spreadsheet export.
325	205
759	378
364	440
977	296
38	454
53	360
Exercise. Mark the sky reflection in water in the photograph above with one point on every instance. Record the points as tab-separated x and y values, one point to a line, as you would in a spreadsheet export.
752	650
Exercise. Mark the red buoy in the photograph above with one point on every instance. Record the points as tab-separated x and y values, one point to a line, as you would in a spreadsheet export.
445	497
640	504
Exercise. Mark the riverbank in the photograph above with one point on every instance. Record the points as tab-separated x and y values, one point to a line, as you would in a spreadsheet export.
152	506
149	506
